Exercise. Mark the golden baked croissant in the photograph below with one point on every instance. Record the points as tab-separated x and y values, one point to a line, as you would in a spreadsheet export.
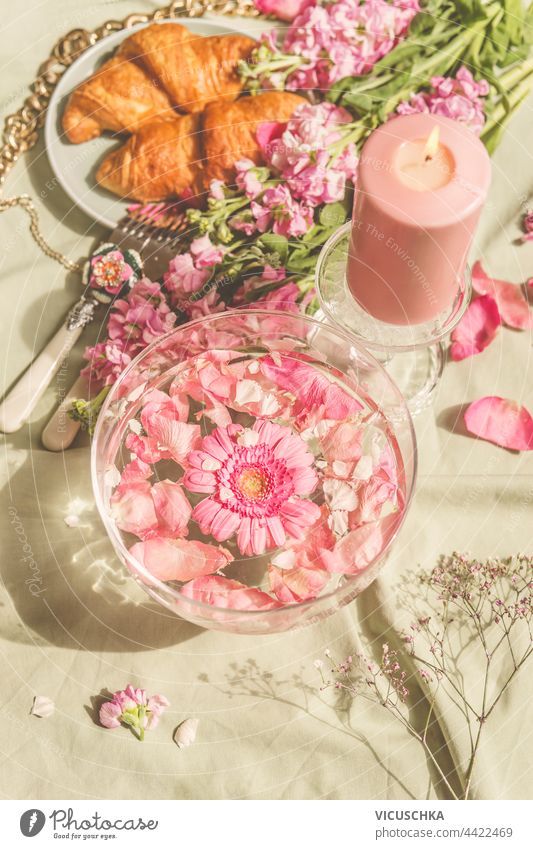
160	161
119	96
157	69
166	157
229	130
193	69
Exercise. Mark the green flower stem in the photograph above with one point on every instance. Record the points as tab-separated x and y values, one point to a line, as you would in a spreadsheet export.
86	412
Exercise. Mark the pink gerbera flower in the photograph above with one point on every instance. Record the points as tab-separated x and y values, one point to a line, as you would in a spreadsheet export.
255	478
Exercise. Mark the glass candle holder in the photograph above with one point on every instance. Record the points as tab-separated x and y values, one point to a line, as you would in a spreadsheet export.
412	353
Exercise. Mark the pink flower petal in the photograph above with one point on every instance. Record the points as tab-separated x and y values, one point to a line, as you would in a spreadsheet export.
292	586
173	438
172	508
178	559
510	299
110	714
356	550
133	509
477	328
223	592
501	421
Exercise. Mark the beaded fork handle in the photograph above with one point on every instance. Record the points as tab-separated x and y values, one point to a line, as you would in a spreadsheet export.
20	135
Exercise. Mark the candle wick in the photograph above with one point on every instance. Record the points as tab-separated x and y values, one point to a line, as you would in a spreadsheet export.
428	157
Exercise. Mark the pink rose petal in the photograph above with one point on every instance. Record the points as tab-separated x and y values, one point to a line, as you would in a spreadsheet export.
292	586
512	304
178	559
172	508
356	550
232	595
477	328
501	421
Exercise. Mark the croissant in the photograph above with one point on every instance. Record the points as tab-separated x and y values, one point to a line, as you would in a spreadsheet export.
156	70
119	96
193	69
229	130
166	157
160	161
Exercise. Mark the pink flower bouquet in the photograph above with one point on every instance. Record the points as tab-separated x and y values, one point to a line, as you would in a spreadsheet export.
242	472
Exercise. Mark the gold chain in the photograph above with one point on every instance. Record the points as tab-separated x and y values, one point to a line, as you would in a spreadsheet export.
21	130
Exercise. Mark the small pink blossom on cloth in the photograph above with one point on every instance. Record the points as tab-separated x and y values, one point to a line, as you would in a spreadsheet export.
510	299
228	594
477	328
527	224
501	421
256	479
133	708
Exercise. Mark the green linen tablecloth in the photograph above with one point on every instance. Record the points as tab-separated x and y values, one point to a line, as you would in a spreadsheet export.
265	729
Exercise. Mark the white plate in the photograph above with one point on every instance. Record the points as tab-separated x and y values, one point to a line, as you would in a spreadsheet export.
75	165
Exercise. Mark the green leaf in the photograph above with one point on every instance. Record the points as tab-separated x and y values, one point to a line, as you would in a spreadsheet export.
274	242
332	214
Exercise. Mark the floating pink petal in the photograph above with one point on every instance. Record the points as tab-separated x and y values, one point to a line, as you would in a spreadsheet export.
179	559
510	299
223	592
477	328
133	509
501	421
293	586
172	508
356	550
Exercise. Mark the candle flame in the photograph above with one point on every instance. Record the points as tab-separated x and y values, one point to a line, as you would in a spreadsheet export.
432	144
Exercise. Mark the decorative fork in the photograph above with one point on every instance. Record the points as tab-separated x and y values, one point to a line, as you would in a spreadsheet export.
144	241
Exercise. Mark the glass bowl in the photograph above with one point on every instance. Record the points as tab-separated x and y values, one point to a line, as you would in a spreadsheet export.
252	470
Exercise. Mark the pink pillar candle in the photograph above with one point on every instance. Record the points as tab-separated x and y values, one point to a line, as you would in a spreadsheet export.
416	207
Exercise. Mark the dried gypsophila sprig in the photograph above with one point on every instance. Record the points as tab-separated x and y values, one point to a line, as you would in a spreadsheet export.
488	599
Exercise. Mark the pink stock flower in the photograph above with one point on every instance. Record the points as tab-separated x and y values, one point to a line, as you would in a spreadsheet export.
247	179
134	322
182	277
459	98
278	210
255	478
225	593
106	360
141	317
299	152
131	707
204	253
188	272
345	39
216	189
285	10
